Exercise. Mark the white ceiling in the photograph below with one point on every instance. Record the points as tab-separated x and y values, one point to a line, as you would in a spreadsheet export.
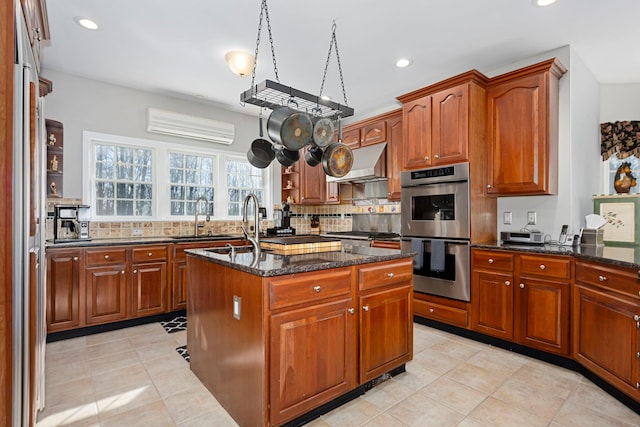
177	47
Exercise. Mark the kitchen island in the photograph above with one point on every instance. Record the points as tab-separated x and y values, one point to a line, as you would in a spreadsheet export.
277	338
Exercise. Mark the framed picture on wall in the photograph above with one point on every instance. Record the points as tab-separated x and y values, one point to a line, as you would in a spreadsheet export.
622	215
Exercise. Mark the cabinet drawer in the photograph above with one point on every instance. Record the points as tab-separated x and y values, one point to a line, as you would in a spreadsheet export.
545	266
105	256
373	276
624	280
308	287
388	244
493	260
450	315
150	253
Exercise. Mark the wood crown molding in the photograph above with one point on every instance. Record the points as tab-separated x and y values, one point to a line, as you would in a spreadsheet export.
473	76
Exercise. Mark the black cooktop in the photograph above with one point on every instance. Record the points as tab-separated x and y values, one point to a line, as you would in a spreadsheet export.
364	234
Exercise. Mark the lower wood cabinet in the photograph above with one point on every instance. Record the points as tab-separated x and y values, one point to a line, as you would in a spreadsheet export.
523	298
106	291
606	324
313	353
149	289
63	289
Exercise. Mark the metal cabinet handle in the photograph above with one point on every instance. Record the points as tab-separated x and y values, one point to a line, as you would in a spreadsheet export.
365	307
316	288
490	261
521	285
150	253
122	272
431	310
426	157
508	283
542	267
390	275
135	271
351	310
602	278
75	258
106	257
436	157
488	185
636	317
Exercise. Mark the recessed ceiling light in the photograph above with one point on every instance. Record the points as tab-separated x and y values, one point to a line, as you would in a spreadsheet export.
403	62
86	23
326	97
543	2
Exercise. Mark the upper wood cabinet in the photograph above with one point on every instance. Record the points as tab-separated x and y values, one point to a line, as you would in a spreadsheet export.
313	186
443	120
35	15
365	133
394	154
522	131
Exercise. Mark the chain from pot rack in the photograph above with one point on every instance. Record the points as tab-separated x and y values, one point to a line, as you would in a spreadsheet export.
264	10
270	94
332	42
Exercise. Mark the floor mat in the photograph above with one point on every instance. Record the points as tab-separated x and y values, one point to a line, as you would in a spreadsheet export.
176	324
183	352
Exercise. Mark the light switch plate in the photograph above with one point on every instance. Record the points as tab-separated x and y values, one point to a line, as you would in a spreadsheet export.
531	218
237	307
507	218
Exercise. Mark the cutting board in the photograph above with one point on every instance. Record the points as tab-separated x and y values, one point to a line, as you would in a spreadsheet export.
300	244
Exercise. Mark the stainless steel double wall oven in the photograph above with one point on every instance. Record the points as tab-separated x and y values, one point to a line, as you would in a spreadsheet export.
435	223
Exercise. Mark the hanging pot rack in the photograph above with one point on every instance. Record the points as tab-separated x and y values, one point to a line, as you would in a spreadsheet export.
273	94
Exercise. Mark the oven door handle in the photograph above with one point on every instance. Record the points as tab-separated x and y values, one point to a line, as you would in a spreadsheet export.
428	239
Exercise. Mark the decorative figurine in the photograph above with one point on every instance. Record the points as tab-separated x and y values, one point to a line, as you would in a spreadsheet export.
54	163
624	179
52	186
52	139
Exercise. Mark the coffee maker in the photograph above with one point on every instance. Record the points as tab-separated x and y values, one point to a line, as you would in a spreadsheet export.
71	223
281	222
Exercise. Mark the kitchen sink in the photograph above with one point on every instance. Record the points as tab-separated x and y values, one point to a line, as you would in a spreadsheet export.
204	237
225	250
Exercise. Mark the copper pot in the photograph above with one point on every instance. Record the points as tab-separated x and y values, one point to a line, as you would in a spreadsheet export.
337	160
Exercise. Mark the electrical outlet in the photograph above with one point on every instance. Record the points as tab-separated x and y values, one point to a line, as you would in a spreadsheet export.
136	231
507	218
531	218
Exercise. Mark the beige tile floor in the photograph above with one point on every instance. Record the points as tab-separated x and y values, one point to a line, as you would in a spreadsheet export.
134	377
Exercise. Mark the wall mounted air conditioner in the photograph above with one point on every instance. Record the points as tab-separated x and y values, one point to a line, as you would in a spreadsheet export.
185	126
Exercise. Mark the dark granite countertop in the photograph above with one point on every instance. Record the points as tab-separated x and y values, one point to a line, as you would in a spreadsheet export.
628	257
119	241
268	264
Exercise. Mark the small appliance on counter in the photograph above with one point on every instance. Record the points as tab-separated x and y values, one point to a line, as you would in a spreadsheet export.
281	222
70	223
522	237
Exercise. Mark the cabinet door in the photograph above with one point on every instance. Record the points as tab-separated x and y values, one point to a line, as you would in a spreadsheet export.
416	119
149	289
106	289
351	137
313	184
312	359
394	156
333	193
518	149
605	336
63	290
450	125
543	315
386	331
374	133
492	304
179	286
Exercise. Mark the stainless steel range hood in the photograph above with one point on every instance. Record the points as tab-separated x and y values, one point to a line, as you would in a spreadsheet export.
369	164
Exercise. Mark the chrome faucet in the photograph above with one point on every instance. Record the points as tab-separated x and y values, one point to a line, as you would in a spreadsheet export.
195	225
255	241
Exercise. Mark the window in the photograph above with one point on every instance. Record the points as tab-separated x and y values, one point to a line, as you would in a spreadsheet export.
190	177
133	179
123	184
611	167
242	179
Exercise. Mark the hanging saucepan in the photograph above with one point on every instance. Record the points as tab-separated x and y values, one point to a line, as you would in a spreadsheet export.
261	152
323	131
289	127
313	156
285	156
337	160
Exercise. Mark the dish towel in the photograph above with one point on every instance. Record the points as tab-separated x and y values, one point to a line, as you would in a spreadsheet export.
437	255
417	246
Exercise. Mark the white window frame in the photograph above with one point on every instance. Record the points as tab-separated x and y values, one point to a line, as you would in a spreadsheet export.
160	176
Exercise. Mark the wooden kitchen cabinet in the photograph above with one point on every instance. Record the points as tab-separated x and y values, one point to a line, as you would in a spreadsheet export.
312	184
386	317
522	131
394	154
606	324
312	341
36	18
149	280
441	121
63	289
351	137
365	133
522	298
105	285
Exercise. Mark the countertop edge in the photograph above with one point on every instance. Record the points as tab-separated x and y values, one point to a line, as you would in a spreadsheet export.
124	241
